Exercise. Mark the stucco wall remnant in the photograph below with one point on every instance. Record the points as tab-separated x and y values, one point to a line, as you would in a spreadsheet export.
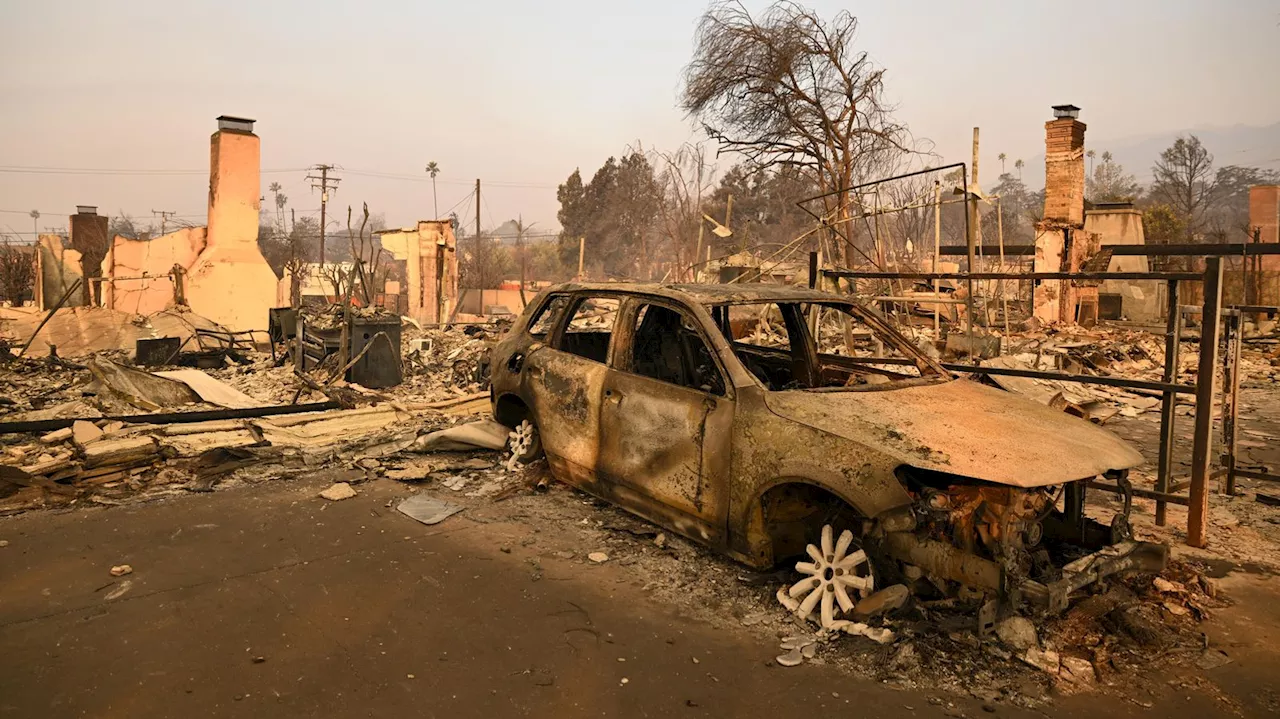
141	270
431	267
57	268
1140	301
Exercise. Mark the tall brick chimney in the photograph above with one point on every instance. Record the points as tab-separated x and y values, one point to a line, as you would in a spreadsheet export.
1064	167
234	182
230	283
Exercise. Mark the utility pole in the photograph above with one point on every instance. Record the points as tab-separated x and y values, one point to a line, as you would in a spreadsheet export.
326	183
480	266
971	206
520	230
728	215
977	191
164	216
937	251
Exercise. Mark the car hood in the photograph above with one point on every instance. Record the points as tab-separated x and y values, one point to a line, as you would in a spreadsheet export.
964	428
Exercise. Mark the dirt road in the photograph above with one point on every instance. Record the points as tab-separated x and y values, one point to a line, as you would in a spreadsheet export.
267	601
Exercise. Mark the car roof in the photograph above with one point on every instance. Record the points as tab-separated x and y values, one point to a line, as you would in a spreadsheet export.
707	294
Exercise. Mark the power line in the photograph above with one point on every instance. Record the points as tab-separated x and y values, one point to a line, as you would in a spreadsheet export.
31	170
459	202
414	178
40	170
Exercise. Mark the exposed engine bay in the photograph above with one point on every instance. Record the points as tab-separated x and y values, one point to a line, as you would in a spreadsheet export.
1032	543
1004	524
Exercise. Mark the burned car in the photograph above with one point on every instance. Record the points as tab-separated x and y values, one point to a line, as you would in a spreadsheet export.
750	417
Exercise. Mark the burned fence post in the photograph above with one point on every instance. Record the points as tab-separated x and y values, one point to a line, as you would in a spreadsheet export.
1198	510
1172	347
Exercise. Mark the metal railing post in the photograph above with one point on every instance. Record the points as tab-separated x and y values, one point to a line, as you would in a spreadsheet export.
1172	345
1230	395
1198	509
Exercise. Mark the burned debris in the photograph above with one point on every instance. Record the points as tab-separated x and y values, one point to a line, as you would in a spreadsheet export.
912	473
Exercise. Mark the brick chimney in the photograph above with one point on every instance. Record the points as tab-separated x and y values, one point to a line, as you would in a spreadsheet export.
1064	167
88	236
230	282
234	182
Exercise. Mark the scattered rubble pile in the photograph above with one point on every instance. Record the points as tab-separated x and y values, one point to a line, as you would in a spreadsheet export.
1112	352
92	427
454	357
77	331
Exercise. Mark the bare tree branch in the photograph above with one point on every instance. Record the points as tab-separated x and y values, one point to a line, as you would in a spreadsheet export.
787	88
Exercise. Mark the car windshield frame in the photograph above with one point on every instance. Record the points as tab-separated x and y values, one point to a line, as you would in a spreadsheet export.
930	369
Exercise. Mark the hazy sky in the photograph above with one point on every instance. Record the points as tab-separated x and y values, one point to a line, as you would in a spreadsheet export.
521	93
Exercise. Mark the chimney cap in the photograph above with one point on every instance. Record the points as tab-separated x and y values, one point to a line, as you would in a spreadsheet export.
1066	111
228	122
86	209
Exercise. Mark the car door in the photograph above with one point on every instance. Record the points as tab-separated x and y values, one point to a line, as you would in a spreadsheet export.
665	421
564	379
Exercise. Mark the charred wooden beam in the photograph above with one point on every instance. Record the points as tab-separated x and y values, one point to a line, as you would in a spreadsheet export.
49	425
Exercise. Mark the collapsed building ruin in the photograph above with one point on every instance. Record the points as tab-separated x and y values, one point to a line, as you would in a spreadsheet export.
216	270
429	252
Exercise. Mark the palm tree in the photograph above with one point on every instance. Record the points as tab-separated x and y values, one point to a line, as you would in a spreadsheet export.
281	201
1090	154
433	169
1018	165
1002	157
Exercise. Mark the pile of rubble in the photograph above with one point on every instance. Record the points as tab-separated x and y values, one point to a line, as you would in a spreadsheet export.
93	427
453	357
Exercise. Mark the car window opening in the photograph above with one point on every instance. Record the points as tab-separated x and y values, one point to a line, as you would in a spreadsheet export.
667	347
590	328
851	348
540	326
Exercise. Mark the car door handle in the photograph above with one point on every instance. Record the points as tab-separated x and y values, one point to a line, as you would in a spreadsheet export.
612	396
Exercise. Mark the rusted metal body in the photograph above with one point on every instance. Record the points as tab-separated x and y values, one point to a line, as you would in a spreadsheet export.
749	448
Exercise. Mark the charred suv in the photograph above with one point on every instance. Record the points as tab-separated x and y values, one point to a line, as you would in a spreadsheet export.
749	417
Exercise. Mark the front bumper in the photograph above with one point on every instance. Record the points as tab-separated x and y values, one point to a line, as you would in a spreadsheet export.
1129	556
946	561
